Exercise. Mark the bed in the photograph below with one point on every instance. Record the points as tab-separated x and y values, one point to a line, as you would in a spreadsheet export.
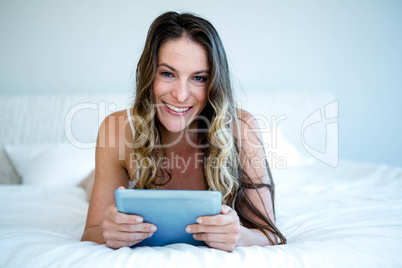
347	214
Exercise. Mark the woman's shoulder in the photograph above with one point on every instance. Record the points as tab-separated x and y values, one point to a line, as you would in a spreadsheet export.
246	121
115	138
116	127
113	119
247	129
122	114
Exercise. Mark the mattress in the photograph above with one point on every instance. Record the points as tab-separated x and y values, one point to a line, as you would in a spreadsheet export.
349	216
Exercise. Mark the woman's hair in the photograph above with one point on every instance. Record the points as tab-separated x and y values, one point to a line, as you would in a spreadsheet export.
220	139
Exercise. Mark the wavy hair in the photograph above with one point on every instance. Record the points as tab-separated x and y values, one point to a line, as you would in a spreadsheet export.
222	168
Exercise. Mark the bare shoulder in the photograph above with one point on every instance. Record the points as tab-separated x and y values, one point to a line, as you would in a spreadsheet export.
252	154
243	114
247	125
115	138
115	128
113	119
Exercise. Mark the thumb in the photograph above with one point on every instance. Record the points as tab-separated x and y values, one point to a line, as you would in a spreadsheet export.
121	187
225	209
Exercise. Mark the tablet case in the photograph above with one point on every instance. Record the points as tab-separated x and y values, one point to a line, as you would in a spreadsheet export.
170	210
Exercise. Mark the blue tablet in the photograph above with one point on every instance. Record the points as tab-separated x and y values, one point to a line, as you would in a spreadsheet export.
170	210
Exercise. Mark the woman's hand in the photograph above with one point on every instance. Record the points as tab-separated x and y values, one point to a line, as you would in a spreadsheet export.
123	230
219	231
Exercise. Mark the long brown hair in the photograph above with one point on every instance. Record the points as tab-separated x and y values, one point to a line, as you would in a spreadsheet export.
222	167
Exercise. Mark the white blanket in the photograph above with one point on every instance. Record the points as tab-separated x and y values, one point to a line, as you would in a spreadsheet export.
350	216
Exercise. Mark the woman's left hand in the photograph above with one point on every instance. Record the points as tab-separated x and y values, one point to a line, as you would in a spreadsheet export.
219	231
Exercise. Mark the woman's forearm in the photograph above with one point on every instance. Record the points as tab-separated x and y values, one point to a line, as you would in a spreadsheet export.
254	237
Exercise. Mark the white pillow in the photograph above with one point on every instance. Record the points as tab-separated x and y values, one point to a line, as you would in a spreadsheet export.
281	154
51	164
62	164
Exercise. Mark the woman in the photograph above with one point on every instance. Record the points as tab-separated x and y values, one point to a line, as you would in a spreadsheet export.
184	132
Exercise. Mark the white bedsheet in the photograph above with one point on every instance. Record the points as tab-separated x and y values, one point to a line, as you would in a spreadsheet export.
345	217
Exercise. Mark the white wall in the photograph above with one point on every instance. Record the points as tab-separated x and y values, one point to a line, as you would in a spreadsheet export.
352	48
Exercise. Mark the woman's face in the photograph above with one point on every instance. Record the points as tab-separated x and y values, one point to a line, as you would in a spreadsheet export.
180	84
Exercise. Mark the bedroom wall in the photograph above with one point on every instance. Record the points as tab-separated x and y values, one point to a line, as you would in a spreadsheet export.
351	48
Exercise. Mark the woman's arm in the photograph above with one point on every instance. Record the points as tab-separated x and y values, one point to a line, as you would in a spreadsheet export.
224	231
254	164
104	223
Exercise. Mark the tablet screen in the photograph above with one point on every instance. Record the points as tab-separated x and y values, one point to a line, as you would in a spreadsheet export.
170	210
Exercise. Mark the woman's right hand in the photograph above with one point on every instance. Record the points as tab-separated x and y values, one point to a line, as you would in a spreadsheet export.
124	230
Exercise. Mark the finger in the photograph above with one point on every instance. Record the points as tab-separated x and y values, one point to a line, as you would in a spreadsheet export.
119	244
121	239
225	209
201	228
212	237
141	227
198	228
221	219
121	187
108	224
122	218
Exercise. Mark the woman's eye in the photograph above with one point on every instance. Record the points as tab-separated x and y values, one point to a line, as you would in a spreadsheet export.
201	79
167	74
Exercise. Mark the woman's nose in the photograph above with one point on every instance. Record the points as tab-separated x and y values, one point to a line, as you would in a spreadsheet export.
181	91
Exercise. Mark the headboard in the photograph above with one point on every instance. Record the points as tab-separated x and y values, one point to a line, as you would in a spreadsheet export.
26	119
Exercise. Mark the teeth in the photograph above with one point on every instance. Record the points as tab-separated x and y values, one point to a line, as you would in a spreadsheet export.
179	110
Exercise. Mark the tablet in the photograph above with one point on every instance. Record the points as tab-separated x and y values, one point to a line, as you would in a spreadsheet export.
170	210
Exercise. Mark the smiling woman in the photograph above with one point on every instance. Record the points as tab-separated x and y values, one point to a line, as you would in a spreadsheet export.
184	112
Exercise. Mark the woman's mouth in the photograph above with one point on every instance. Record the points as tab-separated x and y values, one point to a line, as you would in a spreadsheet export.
177	109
